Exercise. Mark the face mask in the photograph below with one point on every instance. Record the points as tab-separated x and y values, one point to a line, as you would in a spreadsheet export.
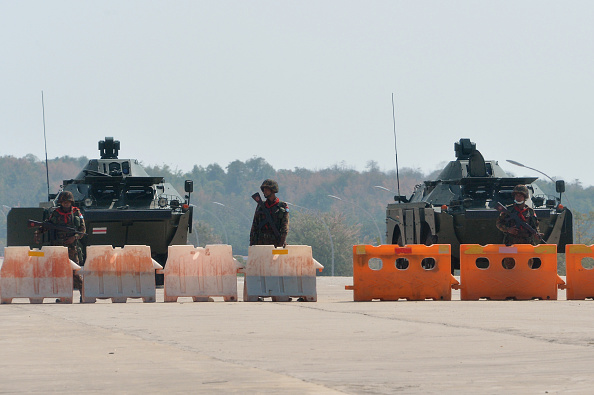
515	201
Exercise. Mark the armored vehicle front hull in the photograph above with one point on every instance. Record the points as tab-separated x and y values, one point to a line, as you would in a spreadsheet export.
157	229
416	223
121	205
459	206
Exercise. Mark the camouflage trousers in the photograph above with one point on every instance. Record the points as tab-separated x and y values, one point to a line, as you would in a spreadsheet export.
74	251
75	255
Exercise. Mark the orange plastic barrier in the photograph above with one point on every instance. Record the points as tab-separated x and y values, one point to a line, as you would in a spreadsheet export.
580	279
500	272
36	274
413	272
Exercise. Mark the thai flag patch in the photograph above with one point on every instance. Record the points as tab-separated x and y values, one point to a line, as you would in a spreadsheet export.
100	231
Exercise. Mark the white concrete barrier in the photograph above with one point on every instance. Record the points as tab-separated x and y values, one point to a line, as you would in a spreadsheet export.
119	273
200	273
280	273
36	274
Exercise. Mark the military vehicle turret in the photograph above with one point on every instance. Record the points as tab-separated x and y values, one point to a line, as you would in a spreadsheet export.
121	204
459	206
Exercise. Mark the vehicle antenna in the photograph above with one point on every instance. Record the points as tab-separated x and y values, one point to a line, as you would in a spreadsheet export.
395	146
45	142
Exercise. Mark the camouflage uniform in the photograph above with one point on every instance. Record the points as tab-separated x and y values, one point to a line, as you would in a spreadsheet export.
262	233
73	219
504	223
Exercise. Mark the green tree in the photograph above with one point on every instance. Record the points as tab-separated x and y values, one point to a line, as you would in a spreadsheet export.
215	172
237	176
583	227
325	233
203	234
259	169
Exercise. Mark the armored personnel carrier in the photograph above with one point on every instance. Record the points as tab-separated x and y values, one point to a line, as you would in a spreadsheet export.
121	204
459	206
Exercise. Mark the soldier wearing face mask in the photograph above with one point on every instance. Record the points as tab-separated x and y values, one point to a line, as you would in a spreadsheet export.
512	233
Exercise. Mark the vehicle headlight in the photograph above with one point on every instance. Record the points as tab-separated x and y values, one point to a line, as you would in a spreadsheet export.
162	202
88	202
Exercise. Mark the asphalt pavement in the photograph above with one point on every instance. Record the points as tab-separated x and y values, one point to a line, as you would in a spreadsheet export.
334	345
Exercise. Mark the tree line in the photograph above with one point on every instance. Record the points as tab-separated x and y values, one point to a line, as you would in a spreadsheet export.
331	209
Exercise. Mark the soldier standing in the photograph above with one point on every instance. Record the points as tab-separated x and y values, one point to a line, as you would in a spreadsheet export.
68	215
270	229
514	234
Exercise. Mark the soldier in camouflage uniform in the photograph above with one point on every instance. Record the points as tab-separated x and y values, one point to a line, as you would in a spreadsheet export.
68	215
262	232
514	234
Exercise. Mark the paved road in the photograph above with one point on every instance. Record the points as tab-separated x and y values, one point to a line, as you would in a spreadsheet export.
332	346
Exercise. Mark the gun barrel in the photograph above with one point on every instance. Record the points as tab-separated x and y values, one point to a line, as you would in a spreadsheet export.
522	224
49	225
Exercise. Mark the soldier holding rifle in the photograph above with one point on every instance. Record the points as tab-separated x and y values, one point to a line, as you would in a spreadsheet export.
66	226
271	219
519	223
510	220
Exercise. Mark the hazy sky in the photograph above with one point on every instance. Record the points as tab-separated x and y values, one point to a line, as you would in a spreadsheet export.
302	83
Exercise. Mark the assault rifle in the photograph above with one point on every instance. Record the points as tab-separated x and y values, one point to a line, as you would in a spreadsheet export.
49	226
258	199
518	221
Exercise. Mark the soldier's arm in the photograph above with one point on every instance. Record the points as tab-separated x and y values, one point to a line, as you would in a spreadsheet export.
502	222
50	219
82	228
284	228
535	223
254	228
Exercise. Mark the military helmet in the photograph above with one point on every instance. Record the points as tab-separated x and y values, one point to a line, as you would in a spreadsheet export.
268	183
66	196
521	189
